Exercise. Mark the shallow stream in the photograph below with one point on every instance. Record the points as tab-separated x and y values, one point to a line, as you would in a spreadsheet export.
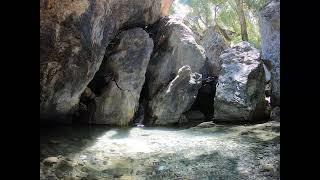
220	152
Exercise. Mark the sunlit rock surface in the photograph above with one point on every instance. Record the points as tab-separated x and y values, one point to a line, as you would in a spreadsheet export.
73	39
240	92
128	61
170	102
174	47
270	45
220	152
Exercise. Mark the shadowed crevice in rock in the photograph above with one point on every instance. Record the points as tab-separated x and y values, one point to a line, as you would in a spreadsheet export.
127	60
269	18
73	39
120	78
205	98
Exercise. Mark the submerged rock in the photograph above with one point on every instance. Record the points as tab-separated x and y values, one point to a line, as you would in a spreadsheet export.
240	93
127	61
170	102
73	39
270	45
275	114
208	124
50	160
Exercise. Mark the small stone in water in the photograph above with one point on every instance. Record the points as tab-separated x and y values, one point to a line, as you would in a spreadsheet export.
50	160
139	125
208	124
161	168
54	142
82	157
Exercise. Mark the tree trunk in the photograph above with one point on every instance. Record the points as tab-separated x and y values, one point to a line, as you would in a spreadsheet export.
223	32
242	19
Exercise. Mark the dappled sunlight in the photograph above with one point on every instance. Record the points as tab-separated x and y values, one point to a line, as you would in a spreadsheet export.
241	74
160	89
153	141
221	151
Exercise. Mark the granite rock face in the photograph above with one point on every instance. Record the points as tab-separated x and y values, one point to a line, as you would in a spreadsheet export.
127	61
270	45
73	39
174	73
240	93
214	44
170	102
175	47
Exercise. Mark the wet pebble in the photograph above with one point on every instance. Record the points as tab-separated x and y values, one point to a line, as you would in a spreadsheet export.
54	142
50	161
75	139
208	124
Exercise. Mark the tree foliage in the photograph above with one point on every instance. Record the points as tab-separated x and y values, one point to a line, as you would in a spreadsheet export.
225	15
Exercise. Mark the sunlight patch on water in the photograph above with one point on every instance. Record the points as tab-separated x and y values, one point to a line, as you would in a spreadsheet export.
107	135
137	152
143	142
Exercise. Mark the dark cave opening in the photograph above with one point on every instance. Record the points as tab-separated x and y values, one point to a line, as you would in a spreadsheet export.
101	81
205	99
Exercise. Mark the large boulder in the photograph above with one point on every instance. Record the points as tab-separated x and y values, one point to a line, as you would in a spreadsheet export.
73	39
175	47
241	84
270	45
214	44
127	61
176	98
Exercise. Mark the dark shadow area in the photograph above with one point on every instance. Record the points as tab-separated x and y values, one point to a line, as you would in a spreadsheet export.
205	97
64	140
